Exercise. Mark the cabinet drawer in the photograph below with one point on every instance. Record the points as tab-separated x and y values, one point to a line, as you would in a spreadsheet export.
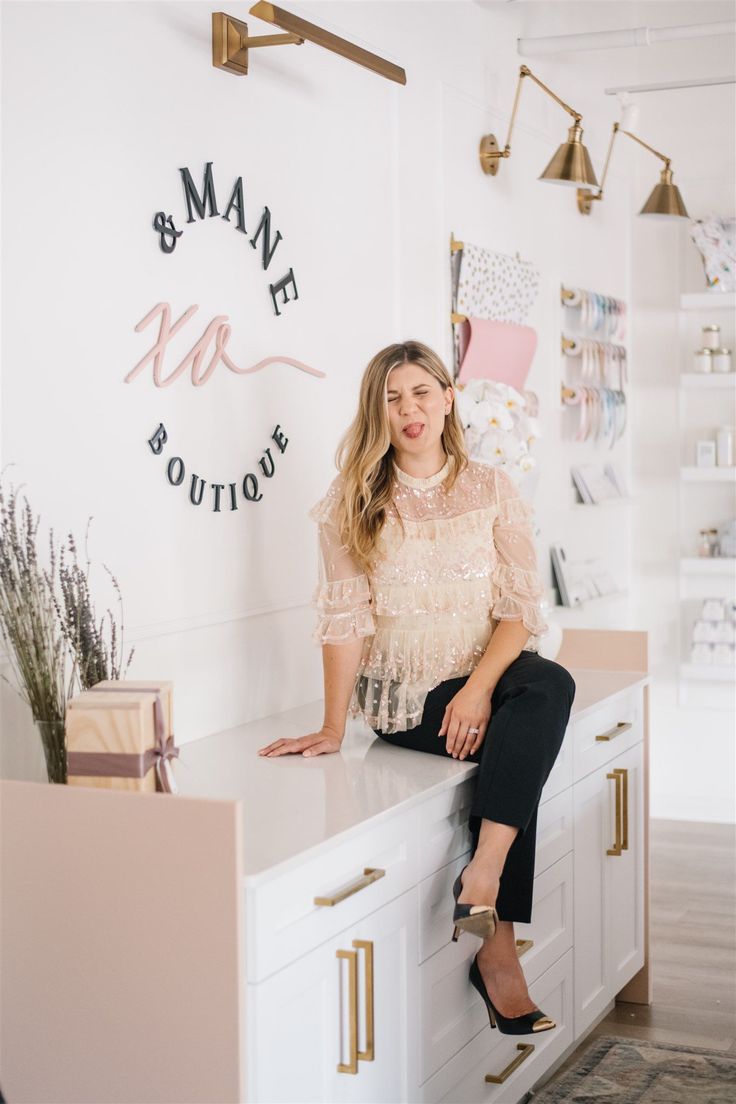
435	909
554	829
550	932
283	921
451	1014
461	1080
560	777
444	831
611	728
554	841
443	826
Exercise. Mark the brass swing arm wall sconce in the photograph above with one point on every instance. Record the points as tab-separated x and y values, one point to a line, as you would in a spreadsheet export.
571	163
665	198
231	42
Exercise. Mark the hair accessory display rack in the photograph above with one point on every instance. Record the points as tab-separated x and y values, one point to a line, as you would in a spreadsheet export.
599	358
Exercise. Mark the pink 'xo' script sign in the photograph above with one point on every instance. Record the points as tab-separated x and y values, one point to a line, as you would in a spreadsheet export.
218	331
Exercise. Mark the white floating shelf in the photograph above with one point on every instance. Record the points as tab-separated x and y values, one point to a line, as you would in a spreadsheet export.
707	381
707	672
708	565
597	600
694	474
708	300
622	501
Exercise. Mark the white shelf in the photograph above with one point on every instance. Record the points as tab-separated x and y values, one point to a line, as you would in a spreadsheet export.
708	565
707	672
708	300
598	600
622	501
707	381
694	474
703	685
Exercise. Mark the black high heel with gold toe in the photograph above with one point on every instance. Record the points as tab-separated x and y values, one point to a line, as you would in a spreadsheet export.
478	919
527	1024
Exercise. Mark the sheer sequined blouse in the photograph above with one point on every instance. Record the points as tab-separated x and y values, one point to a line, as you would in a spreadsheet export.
429	605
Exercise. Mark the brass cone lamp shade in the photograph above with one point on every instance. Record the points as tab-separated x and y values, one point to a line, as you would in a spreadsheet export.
665	199
571	163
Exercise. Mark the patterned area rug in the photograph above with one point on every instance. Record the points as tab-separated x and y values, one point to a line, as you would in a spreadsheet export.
616	1070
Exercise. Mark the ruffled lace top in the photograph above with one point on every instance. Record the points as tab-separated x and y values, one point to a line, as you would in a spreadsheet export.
465	561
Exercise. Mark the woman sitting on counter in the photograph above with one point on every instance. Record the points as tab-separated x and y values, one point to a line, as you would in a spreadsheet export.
429	622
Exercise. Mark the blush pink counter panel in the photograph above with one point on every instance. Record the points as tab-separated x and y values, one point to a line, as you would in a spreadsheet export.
124	922
120	945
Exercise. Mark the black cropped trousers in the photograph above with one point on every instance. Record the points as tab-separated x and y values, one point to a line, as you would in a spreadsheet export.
530	709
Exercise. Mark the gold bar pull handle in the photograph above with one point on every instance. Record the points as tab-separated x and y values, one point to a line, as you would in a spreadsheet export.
625	818
370	874
523	945
617	847
617	729
368	1055
525	1050
352	957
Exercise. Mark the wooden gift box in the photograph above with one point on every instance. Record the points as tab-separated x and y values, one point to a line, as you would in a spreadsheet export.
165	687
117	723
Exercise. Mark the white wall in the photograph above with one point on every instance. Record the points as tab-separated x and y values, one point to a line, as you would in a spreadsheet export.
366	180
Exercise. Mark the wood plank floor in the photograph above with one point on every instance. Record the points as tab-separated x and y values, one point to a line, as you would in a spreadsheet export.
692	942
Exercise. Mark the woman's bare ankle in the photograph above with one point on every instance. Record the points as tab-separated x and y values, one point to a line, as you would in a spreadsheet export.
479	886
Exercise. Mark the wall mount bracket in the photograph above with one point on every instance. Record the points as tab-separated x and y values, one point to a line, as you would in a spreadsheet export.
231	42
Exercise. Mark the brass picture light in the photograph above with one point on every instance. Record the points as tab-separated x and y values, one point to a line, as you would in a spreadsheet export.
231	42
665	199
571	163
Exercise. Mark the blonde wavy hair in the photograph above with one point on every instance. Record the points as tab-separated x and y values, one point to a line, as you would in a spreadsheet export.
364	455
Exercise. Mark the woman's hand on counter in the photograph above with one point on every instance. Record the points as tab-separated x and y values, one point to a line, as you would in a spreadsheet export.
314	743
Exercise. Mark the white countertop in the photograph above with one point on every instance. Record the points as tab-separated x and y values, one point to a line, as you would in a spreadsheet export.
293	805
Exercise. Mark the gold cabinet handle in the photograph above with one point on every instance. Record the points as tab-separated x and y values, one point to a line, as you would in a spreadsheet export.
523	945
525	1050
625	786
370	874
617	729
368	1054
617	847
352	957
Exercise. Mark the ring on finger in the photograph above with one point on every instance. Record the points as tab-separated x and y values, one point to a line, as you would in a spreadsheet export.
475	731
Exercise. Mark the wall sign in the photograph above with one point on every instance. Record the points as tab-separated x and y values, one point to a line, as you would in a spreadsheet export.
210	349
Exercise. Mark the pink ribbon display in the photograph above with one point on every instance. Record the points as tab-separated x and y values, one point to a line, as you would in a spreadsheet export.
112	764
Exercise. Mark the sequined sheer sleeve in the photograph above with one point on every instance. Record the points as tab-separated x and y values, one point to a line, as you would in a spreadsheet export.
342	597
517	587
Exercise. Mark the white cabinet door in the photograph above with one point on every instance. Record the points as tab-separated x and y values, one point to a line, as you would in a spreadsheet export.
512	1063
340	1025
292	1031
608	882
625	875
386	942
591	801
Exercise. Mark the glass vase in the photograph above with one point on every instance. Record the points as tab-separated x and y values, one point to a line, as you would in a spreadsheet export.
54	748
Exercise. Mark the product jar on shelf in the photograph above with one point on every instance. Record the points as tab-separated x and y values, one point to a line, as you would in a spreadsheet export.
721	360
711	336
703	360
